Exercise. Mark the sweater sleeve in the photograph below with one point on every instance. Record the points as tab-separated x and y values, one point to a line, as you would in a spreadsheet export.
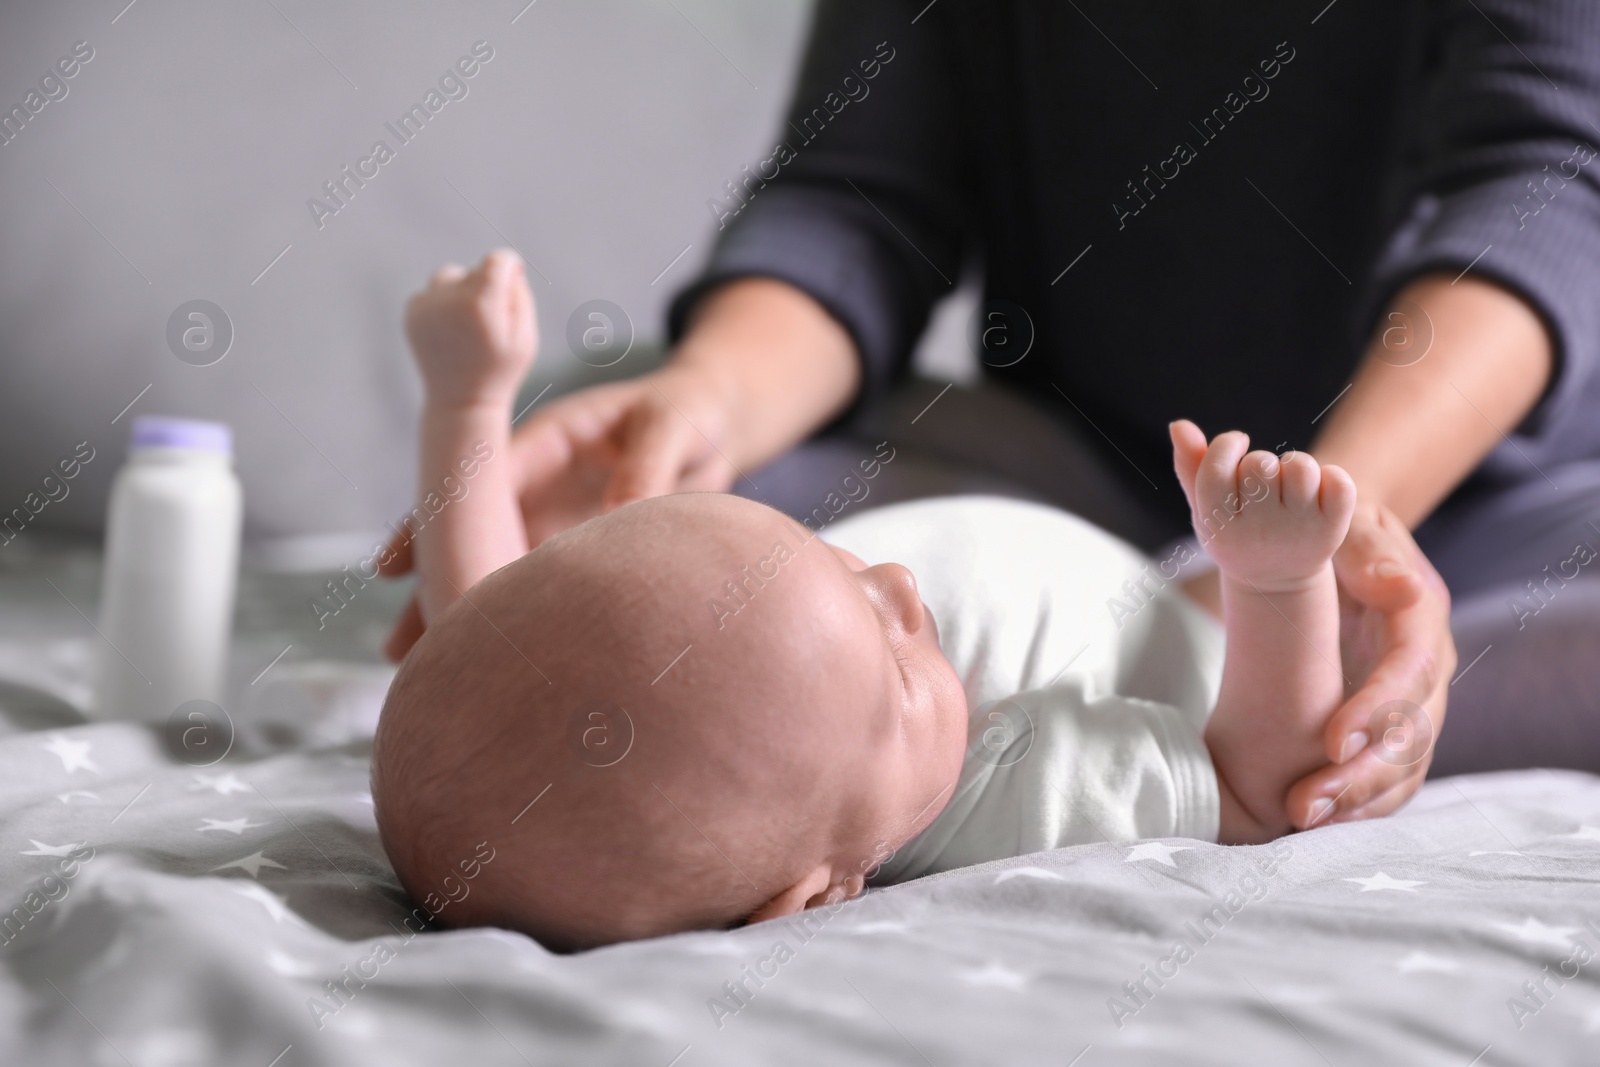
1499	175
857	204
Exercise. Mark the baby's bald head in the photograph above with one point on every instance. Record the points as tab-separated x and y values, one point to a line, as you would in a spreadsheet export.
696	680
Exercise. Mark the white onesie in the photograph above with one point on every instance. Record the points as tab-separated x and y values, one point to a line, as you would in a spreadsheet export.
1088	680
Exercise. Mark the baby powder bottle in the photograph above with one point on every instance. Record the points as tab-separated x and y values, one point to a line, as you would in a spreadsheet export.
171	564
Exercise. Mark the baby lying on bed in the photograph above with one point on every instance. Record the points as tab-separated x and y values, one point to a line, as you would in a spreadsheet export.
692	712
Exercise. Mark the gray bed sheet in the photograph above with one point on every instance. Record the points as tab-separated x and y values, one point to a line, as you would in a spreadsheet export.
161	913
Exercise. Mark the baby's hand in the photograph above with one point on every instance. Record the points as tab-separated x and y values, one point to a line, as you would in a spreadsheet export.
1272	524
473	332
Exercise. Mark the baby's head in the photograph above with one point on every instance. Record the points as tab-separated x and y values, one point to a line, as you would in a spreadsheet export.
719	716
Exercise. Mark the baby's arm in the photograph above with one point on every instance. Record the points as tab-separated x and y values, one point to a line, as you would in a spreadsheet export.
1272	528
473	336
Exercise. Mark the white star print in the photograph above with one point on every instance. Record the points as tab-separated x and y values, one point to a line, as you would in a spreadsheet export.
714	947
1382	881
222	783
72	794
1535	932
1584	833
41	849
1028	872
74	754
995	974
1419	962
252	864
1155	850
288	966
233	826
269	900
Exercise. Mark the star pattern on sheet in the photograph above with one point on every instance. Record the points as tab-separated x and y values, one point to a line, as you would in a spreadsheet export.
233	826
72	794
73	753
1584	833
288	966
878	926
41	849
1028	872
252	864
1534	932
268	899
1155	850
222	783
714	946
173	1045
1419	962
1381	881
996	975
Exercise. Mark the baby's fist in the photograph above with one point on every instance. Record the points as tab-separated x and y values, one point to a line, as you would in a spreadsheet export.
473	332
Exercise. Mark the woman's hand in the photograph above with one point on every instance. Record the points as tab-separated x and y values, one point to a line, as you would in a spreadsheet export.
1396	644
1453	359
761	367
598	449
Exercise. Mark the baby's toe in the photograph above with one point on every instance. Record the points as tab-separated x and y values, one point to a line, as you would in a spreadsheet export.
1338	494
448	274
500	271
1301	479
1219	470
1259	477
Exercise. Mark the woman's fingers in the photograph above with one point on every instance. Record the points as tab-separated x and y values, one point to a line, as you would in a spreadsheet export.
1387	802
542	449
1380	564
1337	792
407	629
669	440
1405	682
1380	741
1411	615
711	475
654	444
395	559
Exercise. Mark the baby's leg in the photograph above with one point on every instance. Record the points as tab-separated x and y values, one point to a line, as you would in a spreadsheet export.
473	336
1272	528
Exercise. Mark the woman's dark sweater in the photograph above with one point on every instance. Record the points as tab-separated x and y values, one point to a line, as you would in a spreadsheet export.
1199	208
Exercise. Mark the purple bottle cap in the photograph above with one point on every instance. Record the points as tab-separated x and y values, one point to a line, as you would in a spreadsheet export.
159	431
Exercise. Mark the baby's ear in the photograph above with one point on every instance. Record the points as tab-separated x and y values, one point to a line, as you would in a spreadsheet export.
813	885
1188	449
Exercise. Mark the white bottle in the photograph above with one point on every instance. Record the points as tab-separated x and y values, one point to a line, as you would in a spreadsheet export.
171	567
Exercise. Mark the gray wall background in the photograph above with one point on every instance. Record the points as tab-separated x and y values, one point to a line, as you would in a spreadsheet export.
179	164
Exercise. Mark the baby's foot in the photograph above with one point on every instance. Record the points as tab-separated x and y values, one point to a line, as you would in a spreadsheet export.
1272	526
473	332
1269	523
